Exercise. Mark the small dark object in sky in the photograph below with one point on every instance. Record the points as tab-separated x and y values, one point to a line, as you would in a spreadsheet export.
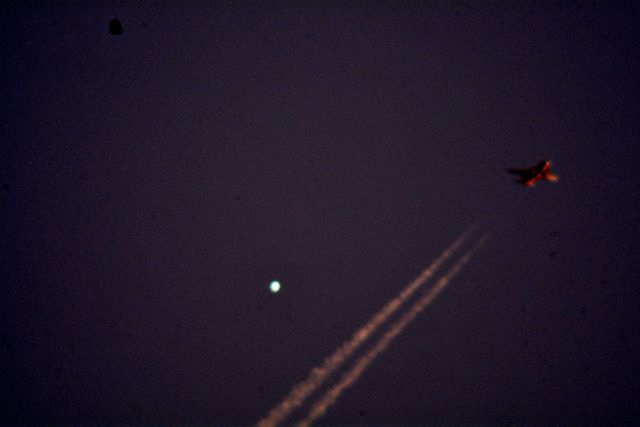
583	310
361	412
529	176
115	27
5	186
552	254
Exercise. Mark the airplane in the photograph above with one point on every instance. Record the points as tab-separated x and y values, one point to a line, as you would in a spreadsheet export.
529	176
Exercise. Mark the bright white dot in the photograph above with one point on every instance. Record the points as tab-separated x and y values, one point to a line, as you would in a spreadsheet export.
274	286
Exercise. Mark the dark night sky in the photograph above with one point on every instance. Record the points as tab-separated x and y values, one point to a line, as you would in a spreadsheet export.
155	182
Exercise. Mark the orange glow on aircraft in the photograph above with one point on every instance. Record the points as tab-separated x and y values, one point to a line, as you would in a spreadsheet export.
529	176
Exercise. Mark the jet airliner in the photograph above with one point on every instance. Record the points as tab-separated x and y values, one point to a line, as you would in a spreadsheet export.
529	176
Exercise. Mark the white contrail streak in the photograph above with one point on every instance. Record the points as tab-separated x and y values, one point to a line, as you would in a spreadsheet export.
323	403
301	391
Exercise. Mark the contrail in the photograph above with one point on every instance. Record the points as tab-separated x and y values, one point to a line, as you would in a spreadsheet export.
301	391
323	403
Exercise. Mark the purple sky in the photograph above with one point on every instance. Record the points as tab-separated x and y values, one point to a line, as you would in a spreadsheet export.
155	182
